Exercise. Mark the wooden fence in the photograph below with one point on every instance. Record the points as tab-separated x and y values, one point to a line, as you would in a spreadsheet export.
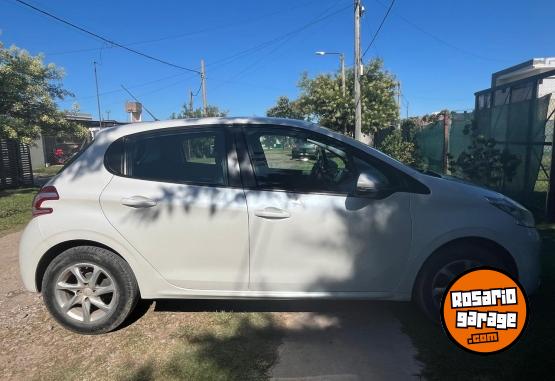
15	165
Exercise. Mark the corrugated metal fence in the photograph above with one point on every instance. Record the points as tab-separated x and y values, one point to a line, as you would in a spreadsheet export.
15	165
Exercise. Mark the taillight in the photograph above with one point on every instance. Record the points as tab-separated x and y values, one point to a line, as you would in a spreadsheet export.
45	194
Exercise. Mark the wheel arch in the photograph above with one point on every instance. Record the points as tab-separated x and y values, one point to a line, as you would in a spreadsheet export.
58	249
498	250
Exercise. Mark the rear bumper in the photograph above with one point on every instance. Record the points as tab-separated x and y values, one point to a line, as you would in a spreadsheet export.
28	260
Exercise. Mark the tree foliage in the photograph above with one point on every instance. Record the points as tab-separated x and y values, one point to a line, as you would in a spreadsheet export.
322	100
401	144
28	93
483	163
211	111
286	108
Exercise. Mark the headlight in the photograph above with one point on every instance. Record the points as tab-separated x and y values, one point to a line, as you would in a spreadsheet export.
521	215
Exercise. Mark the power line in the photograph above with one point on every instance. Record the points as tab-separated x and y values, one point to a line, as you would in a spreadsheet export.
250	20
142	84
134	97
111	42
440	40
280	41
379	28
198	90
285	36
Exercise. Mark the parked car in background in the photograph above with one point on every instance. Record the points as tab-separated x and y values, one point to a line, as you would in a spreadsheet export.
304	149
200	208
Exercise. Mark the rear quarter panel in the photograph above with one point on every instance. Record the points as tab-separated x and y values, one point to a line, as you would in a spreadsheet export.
77	215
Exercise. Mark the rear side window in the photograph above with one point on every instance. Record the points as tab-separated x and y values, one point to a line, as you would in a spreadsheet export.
114	157
195	157
86	144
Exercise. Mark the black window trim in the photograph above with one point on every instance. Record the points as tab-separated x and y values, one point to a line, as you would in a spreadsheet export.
231	173
406	183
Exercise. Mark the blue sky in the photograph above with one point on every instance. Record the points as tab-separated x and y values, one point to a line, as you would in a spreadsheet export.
441	51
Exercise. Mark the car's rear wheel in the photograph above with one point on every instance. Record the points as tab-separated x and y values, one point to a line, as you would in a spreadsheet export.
89	289
443	267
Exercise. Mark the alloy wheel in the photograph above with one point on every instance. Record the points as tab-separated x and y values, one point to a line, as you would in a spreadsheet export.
86	292
446	274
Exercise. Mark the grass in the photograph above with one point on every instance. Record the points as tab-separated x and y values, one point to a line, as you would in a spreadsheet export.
15	208
47	171
226	346
281	159
530	358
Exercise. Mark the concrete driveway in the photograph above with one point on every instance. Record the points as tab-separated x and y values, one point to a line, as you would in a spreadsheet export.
345	341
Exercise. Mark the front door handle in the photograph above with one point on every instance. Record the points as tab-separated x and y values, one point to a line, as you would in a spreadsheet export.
272	213
138	202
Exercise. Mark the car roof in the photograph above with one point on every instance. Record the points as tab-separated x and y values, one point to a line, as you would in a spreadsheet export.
107	135
132	128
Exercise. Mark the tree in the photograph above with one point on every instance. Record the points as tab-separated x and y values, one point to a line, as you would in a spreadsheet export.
211	111
401	144
483	163
285	108
322	100
28	93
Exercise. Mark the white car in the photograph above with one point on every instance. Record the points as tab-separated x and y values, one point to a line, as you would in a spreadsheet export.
220	208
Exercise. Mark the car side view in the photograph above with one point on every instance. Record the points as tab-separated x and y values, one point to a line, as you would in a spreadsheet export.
259	208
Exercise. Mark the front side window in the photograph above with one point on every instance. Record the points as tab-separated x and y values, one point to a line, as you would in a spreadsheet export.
294	160
196	157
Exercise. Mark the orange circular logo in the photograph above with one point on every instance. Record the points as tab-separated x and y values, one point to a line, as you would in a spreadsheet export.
484	310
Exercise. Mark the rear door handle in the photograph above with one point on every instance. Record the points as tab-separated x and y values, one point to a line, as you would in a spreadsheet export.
138	202
272	213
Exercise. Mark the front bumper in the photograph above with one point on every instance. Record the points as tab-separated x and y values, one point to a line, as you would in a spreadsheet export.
526	253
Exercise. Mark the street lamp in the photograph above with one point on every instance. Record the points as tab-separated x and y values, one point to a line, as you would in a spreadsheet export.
341	63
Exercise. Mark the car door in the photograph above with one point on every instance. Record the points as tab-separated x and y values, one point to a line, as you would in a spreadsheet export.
308	231
175	196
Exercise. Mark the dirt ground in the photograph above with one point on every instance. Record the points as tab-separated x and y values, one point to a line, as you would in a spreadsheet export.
316	341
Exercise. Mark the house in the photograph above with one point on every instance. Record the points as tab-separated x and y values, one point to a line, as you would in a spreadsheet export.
52	150
531	79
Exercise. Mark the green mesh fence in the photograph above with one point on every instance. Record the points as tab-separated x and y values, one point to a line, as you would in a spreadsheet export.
458	141
518	126
430	140
430	146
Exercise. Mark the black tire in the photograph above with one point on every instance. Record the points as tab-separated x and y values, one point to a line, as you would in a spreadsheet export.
452	255
114	268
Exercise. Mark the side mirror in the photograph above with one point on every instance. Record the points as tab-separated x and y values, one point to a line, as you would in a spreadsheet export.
369	185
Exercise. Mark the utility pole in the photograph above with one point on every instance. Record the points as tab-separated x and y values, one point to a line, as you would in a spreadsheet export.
342	61
446	128
97	96
191	103
343	87
203	84
358	103
399	104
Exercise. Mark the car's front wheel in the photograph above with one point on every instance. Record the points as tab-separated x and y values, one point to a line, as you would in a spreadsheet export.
443	267
89	289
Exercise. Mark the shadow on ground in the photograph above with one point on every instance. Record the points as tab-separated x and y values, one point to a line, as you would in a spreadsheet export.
251	340
529	359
